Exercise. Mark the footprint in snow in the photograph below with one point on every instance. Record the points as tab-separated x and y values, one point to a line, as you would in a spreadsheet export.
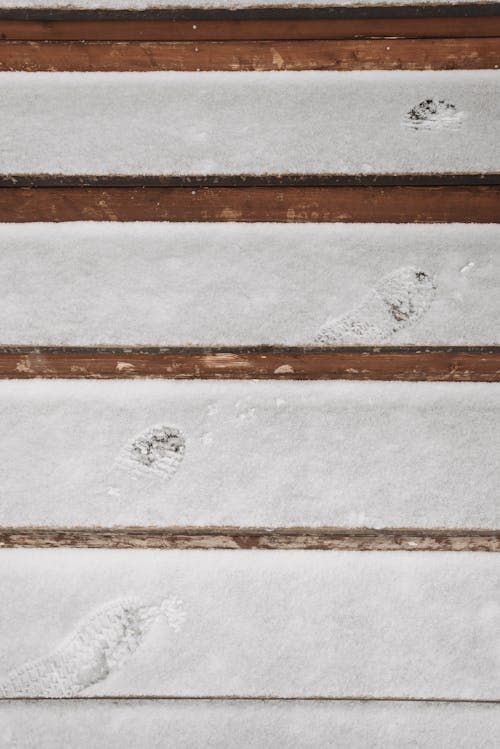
396	302
434	114
158	451
101	644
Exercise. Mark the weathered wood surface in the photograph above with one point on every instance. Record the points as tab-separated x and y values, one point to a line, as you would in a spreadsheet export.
397	204
355	539
266	362
206	29
353	54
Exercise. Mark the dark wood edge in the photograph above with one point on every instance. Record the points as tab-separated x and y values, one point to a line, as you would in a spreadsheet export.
413	364
231	538
263	349
248	180
233	29
427	10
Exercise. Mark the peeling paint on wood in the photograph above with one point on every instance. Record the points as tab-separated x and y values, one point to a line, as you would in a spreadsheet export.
455	364
355	539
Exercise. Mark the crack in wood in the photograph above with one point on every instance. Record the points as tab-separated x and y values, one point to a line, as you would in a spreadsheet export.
252	698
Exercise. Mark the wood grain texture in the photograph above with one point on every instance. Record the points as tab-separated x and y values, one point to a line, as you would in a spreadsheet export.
265	362
360	54
271	29
393	204
353	539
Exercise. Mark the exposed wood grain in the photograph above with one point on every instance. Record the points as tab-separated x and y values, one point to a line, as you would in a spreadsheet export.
354	539
361	54
266	362
252	29
408	204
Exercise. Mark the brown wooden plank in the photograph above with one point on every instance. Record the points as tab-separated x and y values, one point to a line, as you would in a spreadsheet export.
354	539
252	29
413	204
452	364
361	54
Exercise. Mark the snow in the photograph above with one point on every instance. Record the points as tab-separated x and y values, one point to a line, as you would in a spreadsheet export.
256	123
276	453
145	724
247	284
282	624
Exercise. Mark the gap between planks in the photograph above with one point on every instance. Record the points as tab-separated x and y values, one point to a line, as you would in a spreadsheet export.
451	364
394	203
250	698
233	538
333	55
291	179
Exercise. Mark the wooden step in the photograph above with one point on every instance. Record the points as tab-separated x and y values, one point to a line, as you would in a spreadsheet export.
304	624
173	285
257	124
304	724
235	458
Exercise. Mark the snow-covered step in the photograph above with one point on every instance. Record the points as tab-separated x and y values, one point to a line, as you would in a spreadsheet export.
249	723
173	284
172	123
85	622
247	453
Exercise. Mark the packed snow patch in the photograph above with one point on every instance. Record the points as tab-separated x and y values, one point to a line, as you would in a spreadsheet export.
432	114
394	303
158	450
102	643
